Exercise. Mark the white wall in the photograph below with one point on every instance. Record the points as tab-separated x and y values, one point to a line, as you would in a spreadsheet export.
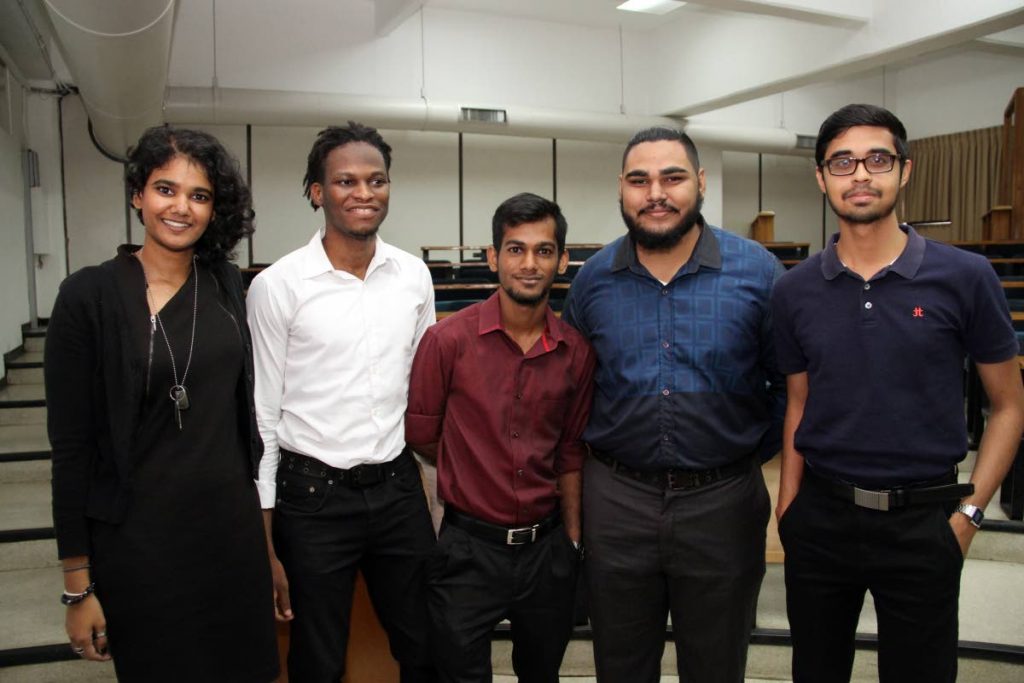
43	136
15	310
94	195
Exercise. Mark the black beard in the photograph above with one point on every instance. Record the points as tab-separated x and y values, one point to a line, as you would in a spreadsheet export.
663	241
525	300
865	219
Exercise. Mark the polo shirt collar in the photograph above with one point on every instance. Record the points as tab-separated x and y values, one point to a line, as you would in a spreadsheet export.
706	253
906	264
315	261
490	321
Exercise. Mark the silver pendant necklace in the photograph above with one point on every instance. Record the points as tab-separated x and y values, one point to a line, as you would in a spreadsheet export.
178	393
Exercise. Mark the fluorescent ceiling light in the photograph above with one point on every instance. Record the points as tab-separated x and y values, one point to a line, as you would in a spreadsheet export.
651	6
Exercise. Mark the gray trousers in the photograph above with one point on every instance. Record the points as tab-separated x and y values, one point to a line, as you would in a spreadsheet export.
697	555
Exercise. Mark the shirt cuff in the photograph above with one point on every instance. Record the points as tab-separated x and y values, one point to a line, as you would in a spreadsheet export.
268	493
571	457
422	429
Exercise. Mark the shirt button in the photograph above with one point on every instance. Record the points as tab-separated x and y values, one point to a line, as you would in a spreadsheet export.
519	473
664	437
664	292
515	435
868	305
665	392
867	286
664	344
518	396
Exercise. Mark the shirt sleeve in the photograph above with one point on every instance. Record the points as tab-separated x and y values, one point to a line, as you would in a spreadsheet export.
571	308
771	443
989	334
571	449
789	356
429	383
268	324
69	369
427	314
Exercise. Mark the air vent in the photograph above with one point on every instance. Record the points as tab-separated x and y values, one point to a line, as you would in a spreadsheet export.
499	116
806	141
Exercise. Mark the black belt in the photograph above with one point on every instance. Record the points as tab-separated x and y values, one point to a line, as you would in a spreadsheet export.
502	535
358	477
676	479
934	491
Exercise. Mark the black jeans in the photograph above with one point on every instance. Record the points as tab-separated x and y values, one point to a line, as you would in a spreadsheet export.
474	584
697	554
323	532
910	561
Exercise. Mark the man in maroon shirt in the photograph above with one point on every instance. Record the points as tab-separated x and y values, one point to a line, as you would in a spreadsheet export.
499	396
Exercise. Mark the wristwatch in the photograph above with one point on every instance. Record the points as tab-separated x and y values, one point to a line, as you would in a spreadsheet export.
973	513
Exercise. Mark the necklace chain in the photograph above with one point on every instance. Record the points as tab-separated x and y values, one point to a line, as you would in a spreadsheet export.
178	392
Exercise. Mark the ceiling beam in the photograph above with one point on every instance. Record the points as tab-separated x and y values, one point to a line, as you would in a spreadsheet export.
837	12
757	51
390	14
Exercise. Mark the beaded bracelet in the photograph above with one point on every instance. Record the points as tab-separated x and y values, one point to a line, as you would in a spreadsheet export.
68	599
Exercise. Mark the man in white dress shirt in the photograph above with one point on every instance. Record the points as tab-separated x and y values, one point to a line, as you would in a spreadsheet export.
335	326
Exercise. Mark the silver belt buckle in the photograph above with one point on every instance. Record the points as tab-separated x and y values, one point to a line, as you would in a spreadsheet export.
510	537
872	500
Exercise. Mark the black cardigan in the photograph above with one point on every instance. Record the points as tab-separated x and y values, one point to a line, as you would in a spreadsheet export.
95	381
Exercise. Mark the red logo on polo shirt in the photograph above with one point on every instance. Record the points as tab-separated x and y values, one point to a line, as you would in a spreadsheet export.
918	312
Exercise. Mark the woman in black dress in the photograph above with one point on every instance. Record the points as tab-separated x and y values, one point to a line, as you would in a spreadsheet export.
149	386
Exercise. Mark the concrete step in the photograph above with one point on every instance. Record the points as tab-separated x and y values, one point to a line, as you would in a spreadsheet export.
18	440
24	375
20	394
60	672
35	555
28	415
34	344
21	471
25	505
27	358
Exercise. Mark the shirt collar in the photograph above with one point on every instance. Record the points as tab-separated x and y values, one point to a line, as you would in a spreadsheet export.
706	253
316	262
490	321
906	264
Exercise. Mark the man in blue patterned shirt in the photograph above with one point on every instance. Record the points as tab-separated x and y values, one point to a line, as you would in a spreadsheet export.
687	405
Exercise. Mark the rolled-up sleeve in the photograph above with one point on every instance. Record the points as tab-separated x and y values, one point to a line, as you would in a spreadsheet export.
428	391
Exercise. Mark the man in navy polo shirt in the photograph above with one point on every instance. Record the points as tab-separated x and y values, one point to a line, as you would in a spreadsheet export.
872	333
687	403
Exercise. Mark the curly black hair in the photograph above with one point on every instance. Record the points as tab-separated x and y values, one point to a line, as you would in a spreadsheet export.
333	137
232	201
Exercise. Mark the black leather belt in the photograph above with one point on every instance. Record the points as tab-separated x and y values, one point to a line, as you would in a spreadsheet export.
360	476
502	535
941	490
676	479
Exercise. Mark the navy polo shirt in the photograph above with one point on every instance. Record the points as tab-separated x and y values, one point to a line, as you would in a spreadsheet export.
686	374
885	358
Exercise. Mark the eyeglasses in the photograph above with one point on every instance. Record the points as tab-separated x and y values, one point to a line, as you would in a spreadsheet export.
874	163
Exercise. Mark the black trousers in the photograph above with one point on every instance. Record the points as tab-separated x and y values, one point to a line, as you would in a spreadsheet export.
323	533
697	554
474	584
910	561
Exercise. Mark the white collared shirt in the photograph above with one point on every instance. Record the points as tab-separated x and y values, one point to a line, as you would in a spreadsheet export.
333	355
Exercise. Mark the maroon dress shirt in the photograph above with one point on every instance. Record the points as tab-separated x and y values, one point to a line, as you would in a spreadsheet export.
507	423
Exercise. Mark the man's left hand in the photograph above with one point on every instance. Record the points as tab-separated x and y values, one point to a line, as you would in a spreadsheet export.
963	530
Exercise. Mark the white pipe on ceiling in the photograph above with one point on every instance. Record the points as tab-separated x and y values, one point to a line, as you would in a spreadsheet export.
239	106
118	52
